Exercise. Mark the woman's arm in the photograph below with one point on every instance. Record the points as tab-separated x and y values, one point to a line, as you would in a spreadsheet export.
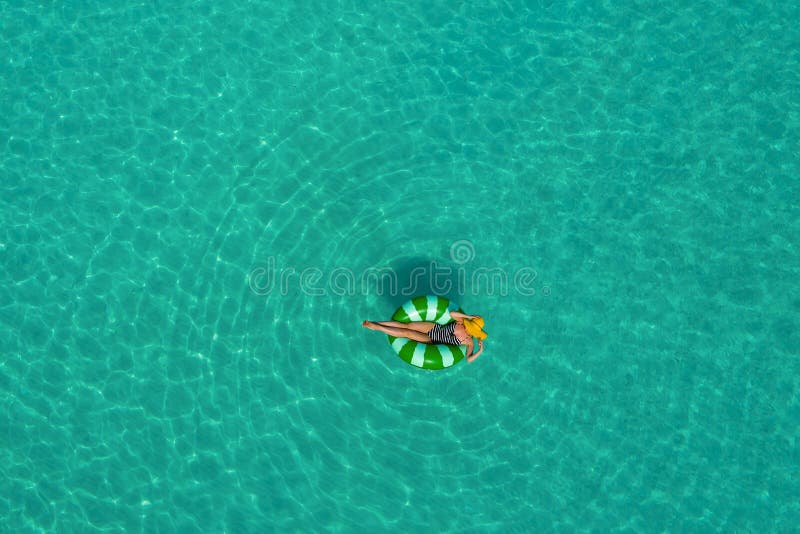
459	315
471	357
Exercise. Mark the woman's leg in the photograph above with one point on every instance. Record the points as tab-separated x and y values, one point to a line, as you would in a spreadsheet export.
419	326
399	332
405	332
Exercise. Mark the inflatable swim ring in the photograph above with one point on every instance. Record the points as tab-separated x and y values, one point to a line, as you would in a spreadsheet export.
424	355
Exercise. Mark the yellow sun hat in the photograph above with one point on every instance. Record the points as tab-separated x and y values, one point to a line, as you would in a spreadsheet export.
474	327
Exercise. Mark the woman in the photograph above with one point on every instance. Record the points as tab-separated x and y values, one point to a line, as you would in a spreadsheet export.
460	331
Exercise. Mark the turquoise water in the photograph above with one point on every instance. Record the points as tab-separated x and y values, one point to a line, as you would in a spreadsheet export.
642	160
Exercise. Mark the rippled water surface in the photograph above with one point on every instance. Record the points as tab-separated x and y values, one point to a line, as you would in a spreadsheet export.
642	161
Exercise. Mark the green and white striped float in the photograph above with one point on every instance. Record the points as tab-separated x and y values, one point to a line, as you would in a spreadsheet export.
424	355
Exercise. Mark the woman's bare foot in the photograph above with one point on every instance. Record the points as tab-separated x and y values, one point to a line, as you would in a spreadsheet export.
368	324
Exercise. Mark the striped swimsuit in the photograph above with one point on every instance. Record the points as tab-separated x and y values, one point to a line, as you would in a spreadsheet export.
444	334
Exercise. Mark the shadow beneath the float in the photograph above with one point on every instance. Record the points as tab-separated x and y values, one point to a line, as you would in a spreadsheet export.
411	277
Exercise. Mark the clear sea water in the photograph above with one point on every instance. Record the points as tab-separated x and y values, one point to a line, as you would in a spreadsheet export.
640	157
